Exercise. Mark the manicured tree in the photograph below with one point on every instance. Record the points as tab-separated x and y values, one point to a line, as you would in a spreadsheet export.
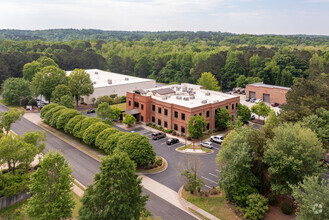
116	192
244	112
53	120
59	92
235	161
46	108
10	117
69	127
89	136
107	113
196	125
80	84
208	81
51	112
104	135
14	89
63	119
311	198
51	186
222	118
112	142
293	154
138	147
81	127
129	120
45	81
66	101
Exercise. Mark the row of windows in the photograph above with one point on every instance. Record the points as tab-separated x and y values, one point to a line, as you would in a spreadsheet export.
236	106
136	105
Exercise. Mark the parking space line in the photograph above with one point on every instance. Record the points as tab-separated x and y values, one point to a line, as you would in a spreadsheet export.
208	186
163	143
218	171
213	175
216	148
208	179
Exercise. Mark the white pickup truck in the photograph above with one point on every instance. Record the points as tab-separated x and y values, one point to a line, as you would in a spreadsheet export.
218	139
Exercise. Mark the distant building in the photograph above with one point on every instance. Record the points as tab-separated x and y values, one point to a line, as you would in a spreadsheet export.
268	93
108	83
172	106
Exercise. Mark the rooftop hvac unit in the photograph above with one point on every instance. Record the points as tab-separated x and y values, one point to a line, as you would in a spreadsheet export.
186	98
208	93
109	81
126	78
192	97
96	73
216	101
164	98
204	101
178	88
189	89
179	97
184	89
94	82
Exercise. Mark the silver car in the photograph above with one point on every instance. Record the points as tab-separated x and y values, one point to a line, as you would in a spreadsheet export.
207	145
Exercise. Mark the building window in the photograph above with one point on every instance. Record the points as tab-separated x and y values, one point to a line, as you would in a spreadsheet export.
159	122
208	114
136	104
183	129
142	118
236	105
142	106
129	103
232	106
165	124
232	117
207	126
166	112
153	107
176	114
200	114
227	107
194	114
175	127
183	116
153	119
159	110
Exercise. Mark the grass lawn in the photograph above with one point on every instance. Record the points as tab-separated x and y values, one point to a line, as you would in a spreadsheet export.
121	106
15	211
195	147
214	205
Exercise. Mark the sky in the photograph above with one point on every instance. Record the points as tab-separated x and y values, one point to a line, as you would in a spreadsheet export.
235	16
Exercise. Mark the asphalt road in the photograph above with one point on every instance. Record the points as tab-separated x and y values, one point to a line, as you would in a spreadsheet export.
85	167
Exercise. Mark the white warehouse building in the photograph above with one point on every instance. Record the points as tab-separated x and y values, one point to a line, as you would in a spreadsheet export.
108	83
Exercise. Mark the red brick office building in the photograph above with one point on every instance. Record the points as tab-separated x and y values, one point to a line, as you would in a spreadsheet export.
172	106
268	93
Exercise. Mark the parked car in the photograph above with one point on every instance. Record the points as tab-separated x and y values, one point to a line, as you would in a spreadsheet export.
258	101
132	131
247	99
43	104
159	135
218	139
252	100
172	141
253	116
91	111
274	104
207	145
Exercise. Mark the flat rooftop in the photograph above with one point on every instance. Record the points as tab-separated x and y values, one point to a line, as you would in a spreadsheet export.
261	84
186	95
102	78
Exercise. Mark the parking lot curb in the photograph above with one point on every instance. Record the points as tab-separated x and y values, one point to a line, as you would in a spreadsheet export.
206	153
160	171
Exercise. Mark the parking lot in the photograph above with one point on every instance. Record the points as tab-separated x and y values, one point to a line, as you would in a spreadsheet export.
250	104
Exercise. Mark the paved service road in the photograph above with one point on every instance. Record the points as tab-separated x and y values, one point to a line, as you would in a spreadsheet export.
85	167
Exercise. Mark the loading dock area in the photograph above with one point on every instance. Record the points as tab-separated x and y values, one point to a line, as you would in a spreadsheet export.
268	93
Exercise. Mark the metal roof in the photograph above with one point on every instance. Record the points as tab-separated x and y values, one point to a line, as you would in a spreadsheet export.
132	111
261	84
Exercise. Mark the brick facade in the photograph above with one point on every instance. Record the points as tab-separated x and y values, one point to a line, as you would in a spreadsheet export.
176	117
276	94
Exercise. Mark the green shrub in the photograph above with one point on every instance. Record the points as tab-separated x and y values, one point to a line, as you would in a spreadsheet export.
242	191
63	119
213	191
69	127
11	185
112	142
46	108
53	120
80	128
90	134
286	208
271	199
169	131
257	206
158	162
51	112
104	135
173	133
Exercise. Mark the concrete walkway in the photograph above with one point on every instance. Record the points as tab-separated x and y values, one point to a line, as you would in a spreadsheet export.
153	186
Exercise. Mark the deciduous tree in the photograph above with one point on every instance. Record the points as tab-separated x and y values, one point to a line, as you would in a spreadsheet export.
196	125
10	117
30	69
59	92
67	101
222	118
63	119
129	120
244	112
15	89
69	127
208	81
80	127
107	113
47	108
89	136
104	135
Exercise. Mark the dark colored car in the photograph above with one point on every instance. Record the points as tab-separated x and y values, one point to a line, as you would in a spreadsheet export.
172	141
252	100
247	99
157	136
253	117
91	111
274	104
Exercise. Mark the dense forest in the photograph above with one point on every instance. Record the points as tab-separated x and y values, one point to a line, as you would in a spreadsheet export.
170	56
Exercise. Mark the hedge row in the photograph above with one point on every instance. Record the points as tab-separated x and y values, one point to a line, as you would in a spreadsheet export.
94	132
